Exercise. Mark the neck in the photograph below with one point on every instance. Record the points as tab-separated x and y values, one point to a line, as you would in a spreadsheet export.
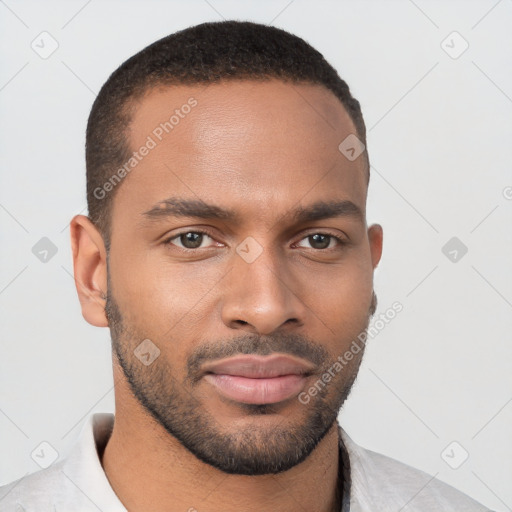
149	469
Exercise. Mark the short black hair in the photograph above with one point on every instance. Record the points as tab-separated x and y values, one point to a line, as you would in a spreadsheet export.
205	53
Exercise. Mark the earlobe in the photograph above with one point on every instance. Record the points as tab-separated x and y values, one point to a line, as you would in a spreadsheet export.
90	269
375	237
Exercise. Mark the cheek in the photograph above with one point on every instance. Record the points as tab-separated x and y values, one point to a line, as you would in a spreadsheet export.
340	299
342	289
160	298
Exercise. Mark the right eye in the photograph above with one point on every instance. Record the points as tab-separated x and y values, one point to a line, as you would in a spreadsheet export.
189	240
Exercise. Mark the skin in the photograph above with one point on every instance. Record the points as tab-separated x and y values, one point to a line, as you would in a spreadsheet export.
261	149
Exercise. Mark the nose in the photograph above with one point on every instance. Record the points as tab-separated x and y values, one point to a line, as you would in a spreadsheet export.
261	296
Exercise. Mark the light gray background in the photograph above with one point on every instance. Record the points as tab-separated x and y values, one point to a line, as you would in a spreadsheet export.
439	136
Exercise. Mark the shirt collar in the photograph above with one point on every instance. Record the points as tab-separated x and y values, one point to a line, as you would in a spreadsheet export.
83	467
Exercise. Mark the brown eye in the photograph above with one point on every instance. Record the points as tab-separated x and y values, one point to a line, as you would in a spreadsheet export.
189	240
321	241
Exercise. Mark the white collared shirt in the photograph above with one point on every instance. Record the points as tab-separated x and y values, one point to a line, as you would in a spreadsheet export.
372	482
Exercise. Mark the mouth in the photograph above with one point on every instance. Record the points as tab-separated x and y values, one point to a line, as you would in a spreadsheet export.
254	379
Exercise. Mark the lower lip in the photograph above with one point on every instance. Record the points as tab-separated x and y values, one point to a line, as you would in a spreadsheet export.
257	391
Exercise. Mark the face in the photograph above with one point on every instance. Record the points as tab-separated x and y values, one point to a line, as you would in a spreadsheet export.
241	268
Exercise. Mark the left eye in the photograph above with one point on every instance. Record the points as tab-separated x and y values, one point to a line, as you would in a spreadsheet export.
190	239
322	241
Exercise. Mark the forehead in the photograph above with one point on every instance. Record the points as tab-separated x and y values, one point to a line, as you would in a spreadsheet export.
251	146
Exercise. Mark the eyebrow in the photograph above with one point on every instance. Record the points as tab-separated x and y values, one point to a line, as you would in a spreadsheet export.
176	207
328	209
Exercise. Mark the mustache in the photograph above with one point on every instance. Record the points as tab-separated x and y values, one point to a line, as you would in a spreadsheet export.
291	344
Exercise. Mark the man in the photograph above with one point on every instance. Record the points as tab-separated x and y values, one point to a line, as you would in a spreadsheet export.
227	250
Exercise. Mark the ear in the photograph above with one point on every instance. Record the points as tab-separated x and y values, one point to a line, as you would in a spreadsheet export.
90	269
375	237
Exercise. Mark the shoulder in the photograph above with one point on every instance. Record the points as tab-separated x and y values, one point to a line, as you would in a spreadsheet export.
77	482
380	483
34	491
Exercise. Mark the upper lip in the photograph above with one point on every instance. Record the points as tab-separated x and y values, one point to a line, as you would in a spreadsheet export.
260	367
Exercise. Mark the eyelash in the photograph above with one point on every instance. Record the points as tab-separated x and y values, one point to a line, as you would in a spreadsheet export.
168	241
